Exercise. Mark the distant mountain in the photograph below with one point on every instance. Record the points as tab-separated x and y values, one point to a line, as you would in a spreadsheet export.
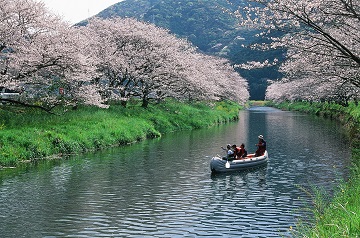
128	8
207	26
202	22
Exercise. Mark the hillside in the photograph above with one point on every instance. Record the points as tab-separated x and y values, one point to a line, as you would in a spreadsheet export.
207	26
202	22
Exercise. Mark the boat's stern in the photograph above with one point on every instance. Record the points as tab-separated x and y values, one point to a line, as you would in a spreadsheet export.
216	163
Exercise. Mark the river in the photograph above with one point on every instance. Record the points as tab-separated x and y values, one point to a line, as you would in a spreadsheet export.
164	187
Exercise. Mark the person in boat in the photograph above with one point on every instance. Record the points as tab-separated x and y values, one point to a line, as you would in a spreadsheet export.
229	152
242	153
261	146
236	150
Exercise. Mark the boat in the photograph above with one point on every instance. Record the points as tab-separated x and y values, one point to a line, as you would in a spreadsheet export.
220	165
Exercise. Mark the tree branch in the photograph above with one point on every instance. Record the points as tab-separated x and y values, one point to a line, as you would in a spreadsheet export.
48	110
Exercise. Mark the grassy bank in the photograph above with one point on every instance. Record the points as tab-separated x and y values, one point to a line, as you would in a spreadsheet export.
339	217
27	135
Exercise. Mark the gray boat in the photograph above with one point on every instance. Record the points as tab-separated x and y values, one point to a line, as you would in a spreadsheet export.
220	165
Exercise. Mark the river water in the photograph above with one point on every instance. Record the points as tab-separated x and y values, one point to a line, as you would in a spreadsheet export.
164	187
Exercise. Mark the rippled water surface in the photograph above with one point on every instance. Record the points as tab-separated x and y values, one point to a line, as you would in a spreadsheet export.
164	187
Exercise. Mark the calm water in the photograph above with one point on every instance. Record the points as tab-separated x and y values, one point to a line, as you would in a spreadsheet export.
164	188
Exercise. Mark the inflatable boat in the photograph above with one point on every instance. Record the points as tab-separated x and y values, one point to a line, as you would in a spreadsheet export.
218	164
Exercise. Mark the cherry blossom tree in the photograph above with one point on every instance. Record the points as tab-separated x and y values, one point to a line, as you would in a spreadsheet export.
213	78
322	38
138	59
115	59
40	54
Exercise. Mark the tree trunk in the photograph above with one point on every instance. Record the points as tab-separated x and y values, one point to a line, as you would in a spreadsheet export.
145	102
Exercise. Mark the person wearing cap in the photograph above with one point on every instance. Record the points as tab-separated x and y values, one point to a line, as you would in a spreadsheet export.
261	146
229	153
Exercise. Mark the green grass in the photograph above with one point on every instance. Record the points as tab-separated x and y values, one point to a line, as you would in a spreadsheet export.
338	216
27	135
257	103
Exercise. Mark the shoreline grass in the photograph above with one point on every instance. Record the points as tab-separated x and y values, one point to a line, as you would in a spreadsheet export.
27	135
339	217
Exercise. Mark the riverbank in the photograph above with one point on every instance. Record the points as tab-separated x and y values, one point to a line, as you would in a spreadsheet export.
27	135
339	216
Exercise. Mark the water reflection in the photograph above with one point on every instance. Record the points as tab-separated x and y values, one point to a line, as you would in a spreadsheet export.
164	187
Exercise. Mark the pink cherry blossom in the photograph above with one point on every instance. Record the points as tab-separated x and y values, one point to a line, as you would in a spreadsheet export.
115	59
322	42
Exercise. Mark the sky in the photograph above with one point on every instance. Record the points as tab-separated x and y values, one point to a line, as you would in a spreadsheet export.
75	11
